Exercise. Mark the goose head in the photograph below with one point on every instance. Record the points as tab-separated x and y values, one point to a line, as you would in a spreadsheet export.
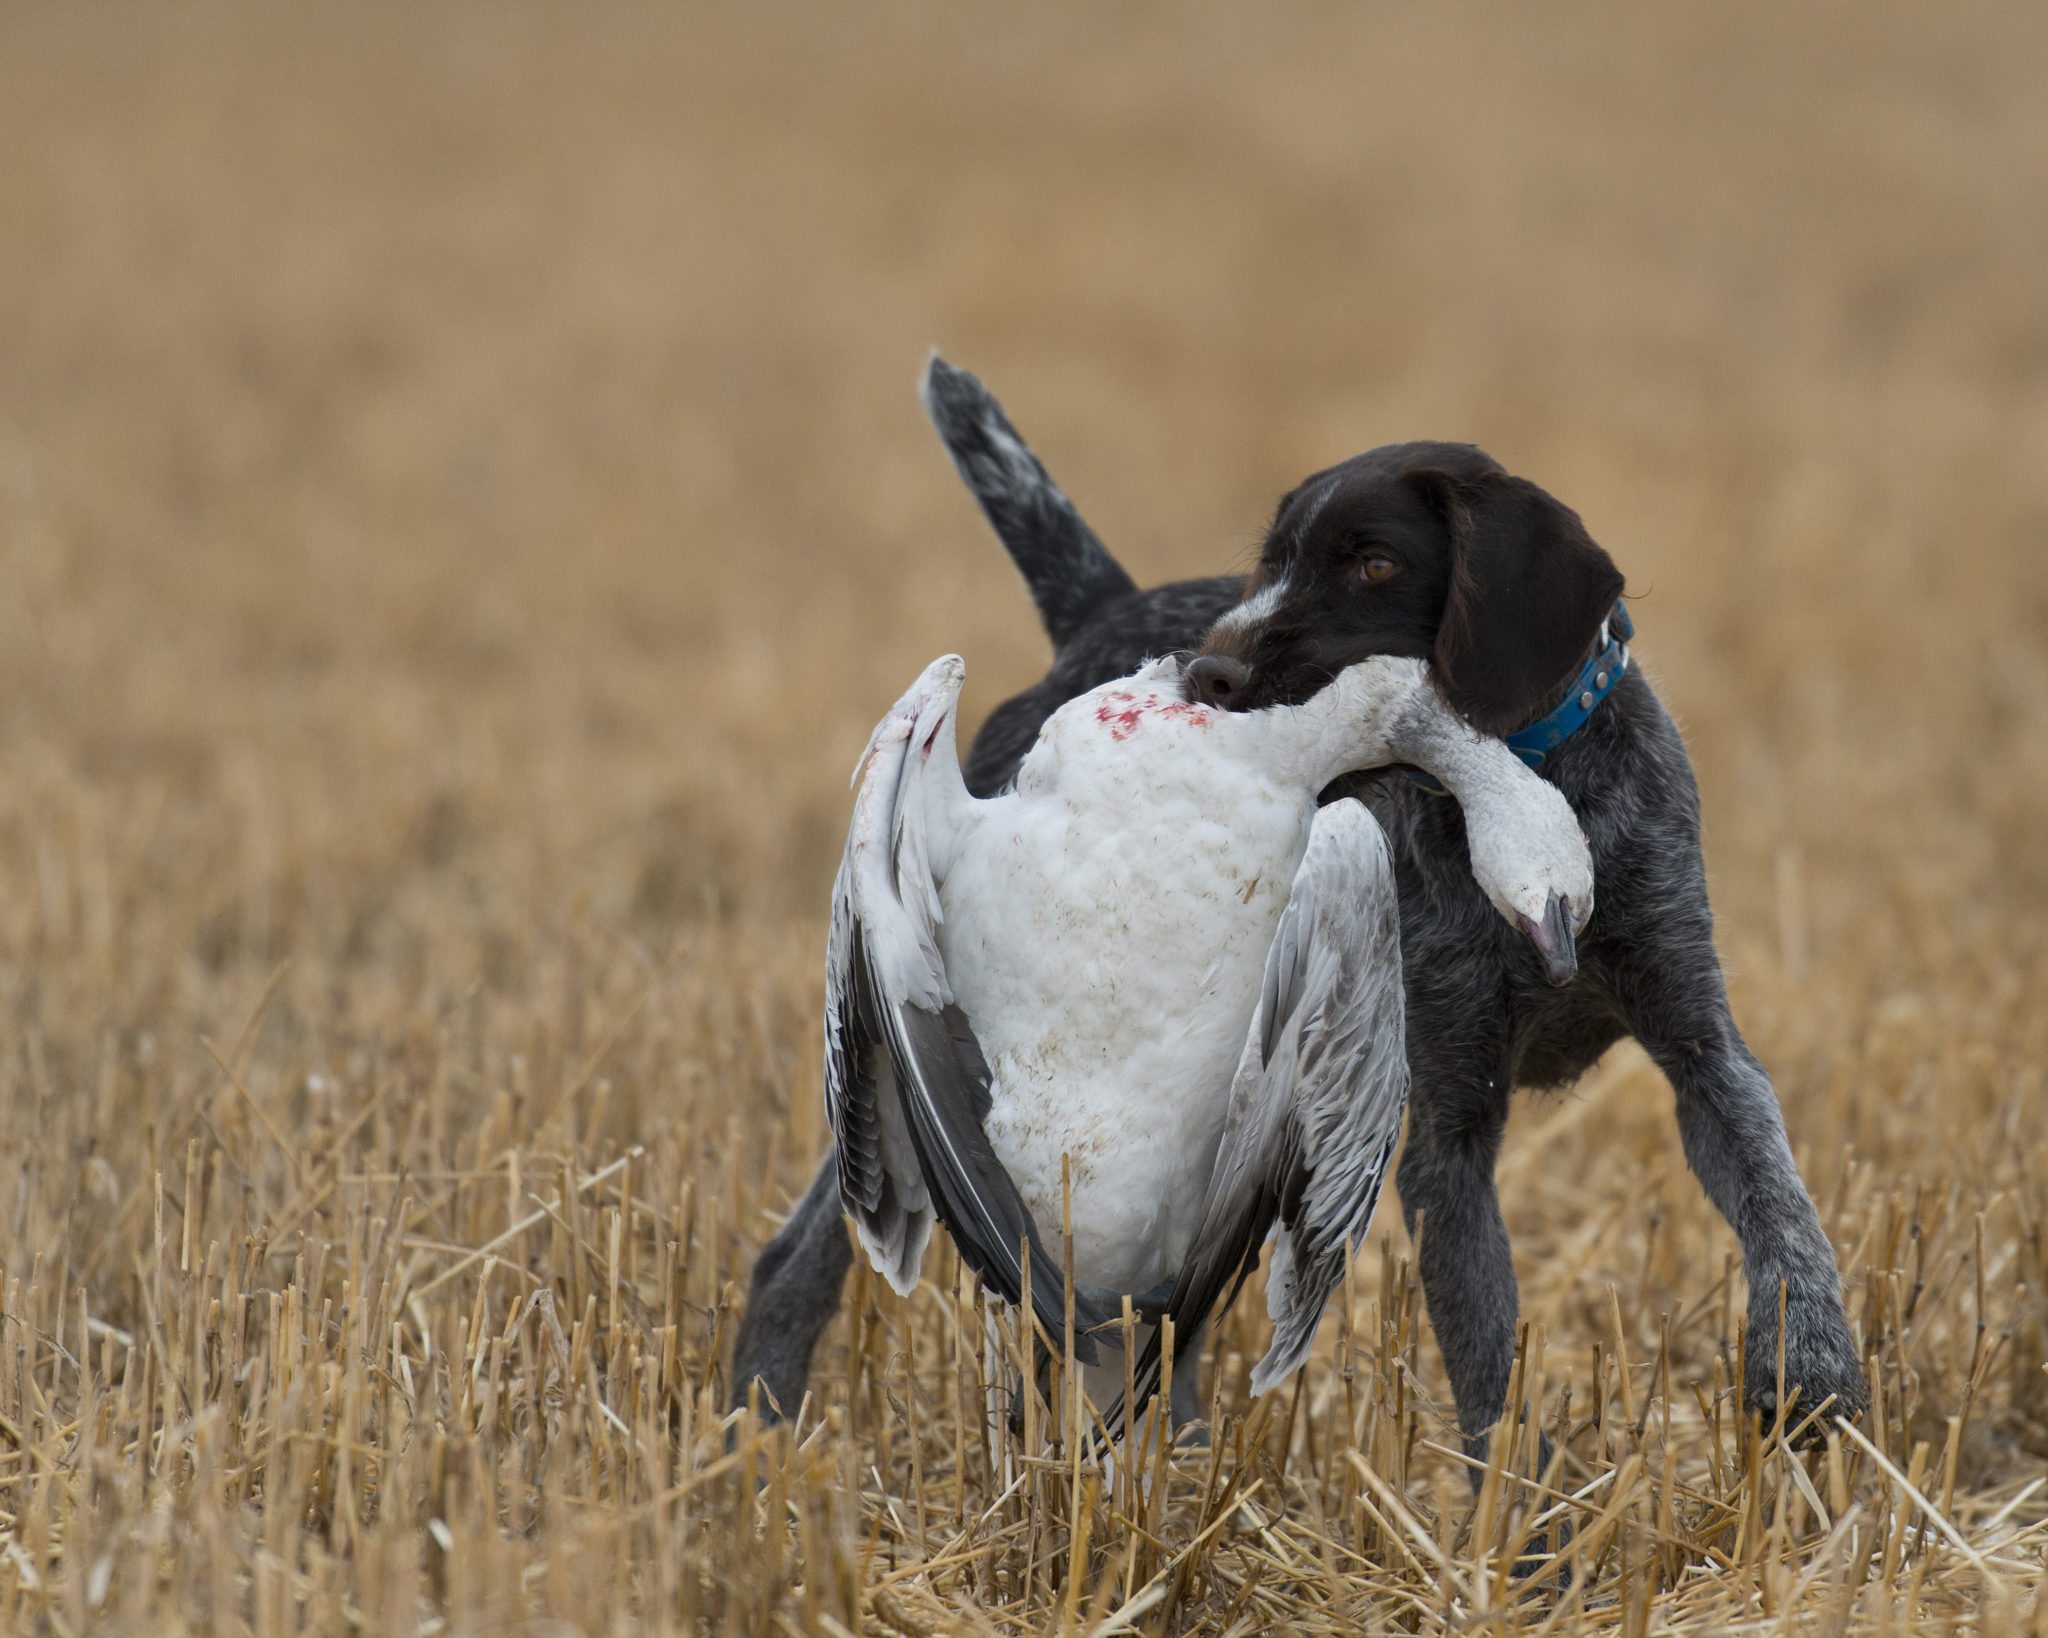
1531	860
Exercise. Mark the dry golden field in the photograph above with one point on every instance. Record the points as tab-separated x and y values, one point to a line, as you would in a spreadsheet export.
462	505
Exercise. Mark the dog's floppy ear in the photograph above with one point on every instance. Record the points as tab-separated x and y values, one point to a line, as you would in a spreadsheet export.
1529	589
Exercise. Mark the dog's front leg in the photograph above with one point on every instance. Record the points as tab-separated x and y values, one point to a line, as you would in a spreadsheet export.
1734	1137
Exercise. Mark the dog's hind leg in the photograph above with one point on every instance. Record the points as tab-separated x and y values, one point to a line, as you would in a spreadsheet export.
1187	1409
1450	1201
794	1292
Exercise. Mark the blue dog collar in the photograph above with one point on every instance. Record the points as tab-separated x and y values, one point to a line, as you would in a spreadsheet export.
1593	684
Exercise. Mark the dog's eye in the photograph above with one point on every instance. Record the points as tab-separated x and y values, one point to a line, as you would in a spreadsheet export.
1377	566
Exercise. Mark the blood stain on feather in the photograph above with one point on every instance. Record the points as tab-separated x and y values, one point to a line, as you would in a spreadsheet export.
1121	713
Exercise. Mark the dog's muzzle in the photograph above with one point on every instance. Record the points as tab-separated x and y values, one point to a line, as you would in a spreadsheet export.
1216	679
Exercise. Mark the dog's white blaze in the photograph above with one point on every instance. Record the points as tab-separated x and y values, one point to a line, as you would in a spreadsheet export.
1316	503
1254	608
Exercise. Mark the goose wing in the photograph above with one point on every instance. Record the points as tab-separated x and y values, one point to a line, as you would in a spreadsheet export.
906	1085
1317	1102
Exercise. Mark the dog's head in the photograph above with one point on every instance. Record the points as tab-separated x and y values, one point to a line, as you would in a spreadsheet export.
1427	550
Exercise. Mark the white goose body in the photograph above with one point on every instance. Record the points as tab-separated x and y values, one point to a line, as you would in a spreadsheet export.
1106	924
1156	959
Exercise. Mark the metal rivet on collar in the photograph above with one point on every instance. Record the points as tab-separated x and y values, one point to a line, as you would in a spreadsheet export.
1586	701
1600	681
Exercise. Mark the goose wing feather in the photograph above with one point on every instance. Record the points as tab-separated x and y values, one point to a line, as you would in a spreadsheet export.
906	1085
1316	1104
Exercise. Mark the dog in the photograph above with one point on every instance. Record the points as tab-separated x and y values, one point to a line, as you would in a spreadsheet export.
1429	550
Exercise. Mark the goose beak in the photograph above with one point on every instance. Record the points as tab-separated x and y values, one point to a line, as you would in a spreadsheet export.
1554	940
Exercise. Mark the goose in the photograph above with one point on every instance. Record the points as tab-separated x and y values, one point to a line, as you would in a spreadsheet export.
1154	983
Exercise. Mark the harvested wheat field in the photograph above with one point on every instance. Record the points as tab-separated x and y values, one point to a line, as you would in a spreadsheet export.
463	504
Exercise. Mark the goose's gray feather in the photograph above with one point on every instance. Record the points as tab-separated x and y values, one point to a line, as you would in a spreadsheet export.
906	1084
1316	1105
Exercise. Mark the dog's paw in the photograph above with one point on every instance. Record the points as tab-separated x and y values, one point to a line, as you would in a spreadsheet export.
1821	1363
1538	1565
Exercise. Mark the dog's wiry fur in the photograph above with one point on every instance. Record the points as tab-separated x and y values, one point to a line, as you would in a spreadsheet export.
1502	589
1073	574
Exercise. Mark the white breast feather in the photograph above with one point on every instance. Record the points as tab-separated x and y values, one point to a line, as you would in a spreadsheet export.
1106	930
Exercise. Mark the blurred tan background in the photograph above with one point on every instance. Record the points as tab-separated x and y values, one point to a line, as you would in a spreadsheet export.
421	384
463	502
510	408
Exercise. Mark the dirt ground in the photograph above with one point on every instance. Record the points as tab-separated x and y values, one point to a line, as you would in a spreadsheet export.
463	503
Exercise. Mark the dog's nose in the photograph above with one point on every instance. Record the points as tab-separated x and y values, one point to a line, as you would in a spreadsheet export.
1218	680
